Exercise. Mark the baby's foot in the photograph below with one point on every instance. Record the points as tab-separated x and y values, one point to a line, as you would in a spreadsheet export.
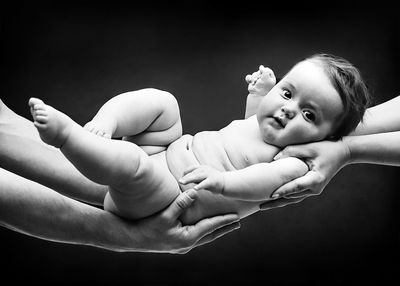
53	125
261	81
103	128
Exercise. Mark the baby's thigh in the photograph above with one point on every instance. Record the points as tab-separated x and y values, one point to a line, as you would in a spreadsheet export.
151	189
165	129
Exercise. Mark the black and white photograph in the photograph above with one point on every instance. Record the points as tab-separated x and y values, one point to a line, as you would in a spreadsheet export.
199	143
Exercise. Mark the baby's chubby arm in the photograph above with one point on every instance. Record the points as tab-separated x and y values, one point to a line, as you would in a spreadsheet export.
254	183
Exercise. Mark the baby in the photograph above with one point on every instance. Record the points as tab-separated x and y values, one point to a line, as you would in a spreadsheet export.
321	97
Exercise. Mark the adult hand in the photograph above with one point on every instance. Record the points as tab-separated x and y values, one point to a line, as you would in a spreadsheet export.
164	232
324	160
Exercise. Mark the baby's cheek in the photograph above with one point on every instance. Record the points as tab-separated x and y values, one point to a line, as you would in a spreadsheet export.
298	135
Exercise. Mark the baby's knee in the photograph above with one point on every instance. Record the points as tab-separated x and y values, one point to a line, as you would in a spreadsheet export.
170	115
170	102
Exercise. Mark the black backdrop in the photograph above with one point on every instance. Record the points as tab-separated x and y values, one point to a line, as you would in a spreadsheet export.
77	56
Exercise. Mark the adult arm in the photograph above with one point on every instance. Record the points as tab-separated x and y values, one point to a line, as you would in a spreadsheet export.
374	141
35	210
24	153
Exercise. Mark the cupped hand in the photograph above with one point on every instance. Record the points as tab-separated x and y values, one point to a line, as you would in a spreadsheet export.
165	233
324	160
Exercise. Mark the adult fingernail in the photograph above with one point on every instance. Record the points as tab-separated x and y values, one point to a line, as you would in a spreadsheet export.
275	196
277	156
191	193
237	225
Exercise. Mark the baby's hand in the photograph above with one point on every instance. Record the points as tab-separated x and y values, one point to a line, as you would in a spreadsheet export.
100	128
206	178
261	81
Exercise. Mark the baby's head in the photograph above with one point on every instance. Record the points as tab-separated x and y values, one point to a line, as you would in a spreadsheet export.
321	97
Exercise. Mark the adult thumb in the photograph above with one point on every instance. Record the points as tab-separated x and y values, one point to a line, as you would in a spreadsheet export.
298	151
182	202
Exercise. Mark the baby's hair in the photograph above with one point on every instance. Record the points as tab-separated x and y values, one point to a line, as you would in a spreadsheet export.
351	87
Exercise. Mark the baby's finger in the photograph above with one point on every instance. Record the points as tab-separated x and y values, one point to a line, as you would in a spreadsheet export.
205	184
190	169
192	178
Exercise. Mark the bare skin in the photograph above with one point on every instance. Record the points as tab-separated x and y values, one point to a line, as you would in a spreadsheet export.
27	204
126	168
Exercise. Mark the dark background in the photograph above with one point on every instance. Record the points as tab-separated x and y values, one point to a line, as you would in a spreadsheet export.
77	56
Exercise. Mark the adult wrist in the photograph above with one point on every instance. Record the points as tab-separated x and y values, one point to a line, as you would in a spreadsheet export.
104	230
348	155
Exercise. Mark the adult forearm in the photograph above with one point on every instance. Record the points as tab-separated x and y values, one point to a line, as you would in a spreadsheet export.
33	209
380	148
46	165
380	118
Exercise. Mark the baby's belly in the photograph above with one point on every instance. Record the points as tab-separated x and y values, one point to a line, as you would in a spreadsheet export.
180	156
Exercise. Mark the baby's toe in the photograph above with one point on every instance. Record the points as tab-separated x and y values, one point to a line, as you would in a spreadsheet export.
107	135
89	126
34	101
41	119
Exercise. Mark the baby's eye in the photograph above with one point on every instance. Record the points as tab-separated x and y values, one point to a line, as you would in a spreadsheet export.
309	115
286	93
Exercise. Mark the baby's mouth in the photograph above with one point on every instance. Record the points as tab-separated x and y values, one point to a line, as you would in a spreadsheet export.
279	121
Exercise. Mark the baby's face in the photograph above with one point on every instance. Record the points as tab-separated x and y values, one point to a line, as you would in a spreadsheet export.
303	107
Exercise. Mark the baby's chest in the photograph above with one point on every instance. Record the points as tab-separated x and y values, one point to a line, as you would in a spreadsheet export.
256	151
248	148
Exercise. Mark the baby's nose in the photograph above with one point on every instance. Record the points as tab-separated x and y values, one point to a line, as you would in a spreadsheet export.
288	111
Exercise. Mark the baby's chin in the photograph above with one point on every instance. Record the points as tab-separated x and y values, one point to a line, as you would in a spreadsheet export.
282	143
274	141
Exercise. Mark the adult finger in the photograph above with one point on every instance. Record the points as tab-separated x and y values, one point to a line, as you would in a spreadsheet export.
282	202
303	194
298	151
182	202
218	233
208	226
308	181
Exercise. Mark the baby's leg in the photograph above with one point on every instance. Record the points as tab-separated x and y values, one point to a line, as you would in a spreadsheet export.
261	81
149	111
122	165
